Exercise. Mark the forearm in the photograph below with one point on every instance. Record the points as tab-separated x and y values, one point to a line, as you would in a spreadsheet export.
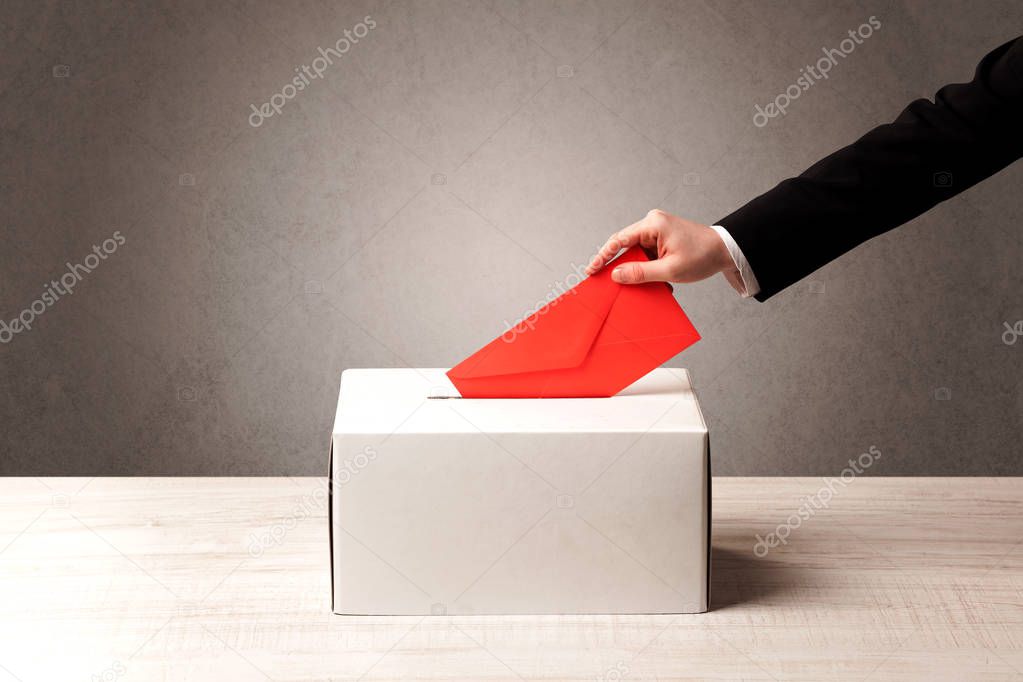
931	152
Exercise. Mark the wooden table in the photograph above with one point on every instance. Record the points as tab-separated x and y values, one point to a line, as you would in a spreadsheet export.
167	579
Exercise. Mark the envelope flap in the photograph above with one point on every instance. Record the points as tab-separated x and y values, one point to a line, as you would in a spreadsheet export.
557	336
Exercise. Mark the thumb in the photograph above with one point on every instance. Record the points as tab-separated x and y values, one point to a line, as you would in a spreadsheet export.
639	272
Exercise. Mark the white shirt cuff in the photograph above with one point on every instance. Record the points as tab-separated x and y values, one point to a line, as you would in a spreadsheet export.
749	286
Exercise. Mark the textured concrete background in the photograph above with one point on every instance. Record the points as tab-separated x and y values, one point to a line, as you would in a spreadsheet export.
443	175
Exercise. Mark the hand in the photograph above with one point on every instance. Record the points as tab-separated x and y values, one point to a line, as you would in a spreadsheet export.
685	252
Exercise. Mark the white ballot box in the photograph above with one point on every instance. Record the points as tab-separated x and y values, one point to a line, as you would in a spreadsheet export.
444	505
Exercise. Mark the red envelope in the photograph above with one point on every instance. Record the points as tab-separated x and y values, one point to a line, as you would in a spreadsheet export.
591	342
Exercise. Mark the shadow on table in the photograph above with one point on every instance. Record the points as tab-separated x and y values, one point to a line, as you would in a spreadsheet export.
739	577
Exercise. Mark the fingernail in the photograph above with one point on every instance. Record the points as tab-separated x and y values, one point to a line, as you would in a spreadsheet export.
618	274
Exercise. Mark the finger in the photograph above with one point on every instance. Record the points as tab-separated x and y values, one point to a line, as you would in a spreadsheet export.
615	243
638	272
622	239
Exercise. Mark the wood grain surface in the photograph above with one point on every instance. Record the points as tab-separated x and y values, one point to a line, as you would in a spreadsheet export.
228	579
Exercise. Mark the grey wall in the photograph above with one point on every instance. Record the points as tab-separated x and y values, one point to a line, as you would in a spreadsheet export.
449	169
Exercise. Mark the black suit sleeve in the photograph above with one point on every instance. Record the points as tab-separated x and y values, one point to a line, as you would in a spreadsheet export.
895	172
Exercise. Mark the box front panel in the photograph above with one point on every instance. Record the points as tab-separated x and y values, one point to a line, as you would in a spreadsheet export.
520	523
